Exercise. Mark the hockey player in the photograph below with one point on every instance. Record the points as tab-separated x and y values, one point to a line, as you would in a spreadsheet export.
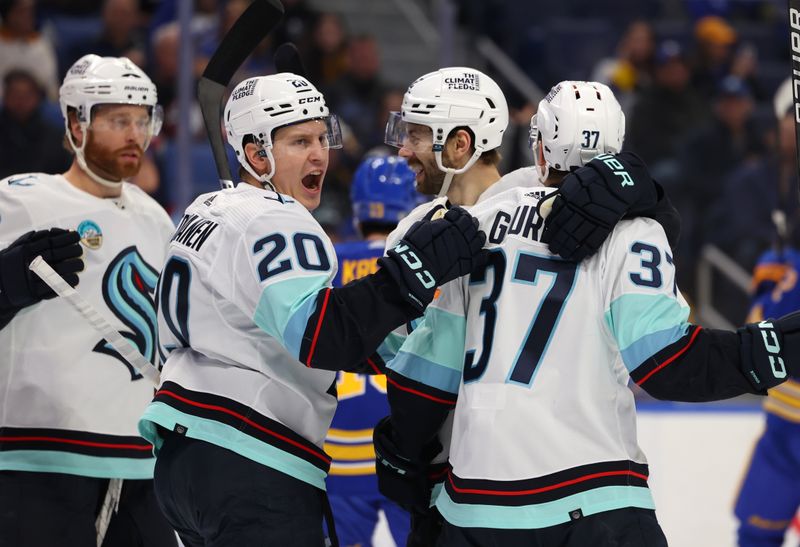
254	333
68	432
382	193
538	355
449	128
770	494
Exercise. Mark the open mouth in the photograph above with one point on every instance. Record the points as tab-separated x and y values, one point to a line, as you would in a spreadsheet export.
313	181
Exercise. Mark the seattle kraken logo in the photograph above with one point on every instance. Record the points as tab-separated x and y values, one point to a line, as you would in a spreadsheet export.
128	287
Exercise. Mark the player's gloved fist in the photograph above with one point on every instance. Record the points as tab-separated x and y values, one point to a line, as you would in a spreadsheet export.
425	528
19	286
591	200
771	350
433	252
404	481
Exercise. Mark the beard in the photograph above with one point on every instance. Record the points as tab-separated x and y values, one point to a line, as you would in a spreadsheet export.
108	163
433	178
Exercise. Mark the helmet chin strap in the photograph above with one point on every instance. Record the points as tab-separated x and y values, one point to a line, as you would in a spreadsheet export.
266	178
451	172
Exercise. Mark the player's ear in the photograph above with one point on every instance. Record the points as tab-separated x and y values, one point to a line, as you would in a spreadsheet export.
257	157
462	146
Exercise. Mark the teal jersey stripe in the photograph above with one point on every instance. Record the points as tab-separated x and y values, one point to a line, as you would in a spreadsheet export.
647	346
439	338
229	438
50	461
632	317
542	515
390	346
284	308
426	372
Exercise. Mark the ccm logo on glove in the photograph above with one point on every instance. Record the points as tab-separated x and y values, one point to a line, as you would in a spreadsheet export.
773	347
617	167
412	260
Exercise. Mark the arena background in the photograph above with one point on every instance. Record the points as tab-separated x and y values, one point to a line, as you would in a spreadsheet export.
696	79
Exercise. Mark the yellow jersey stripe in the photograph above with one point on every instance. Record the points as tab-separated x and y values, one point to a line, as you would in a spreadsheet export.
350	436
357	452
367	469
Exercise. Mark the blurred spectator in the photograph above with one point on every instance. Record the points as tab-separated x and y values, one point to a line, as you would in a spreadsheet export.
22	47
120	36
296	25
761	200
665	113
744	65
729	142
357	95
28	142
327	54
258	63
631	70
714	41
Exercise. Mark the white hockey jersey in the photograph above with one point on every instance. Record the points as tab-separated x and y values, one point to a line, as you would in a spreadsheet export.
539	352
241	279
70	403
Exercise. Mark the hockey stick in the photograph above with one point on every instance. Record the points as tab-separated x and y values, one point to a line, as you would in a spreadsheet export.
794	32
96	319
287	59
258	20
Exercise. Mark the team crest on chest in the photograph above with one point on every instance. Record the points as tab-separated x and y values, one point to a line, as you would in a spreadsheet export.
91	234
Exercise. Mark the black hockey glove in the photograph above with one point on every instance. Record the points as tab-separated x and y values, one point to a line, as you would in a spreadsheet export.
425	528
406	482
592	199
19	286
770	351
433	252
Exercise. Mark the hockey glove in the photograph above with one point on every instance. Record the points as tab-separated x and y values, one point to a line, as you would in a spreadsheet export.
770	351
592	199
425	528
19	286
406	482
433	252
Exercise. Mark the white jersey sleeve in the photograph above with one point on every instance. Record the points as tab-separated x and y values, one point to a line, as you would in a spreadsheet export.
644	310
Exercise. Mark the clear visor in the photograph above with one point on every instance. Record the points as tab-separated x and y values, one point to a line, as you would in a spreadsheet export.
323	132
411	136
533	134
144	121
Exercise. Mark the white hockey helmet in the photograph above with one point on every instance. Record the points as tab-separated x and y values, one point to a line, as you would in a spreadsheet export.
95	80
575	122
444	100
259	106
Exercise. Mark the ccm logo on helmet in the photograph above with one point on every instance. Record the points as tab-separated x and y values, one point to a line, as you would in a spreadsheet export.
304	100
612	163
773	347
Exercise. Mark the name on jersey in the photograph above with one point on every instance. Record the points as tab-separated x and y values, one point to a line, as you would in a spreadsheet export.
193	231
358	268
524	221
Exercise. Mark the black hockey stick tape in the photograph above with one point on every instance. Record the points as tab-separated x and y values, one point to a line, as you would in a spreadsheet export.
287	59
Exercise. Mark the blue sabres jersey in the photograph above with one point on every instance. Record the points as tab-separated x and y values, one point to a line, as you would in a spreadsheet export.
776	293
362	398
